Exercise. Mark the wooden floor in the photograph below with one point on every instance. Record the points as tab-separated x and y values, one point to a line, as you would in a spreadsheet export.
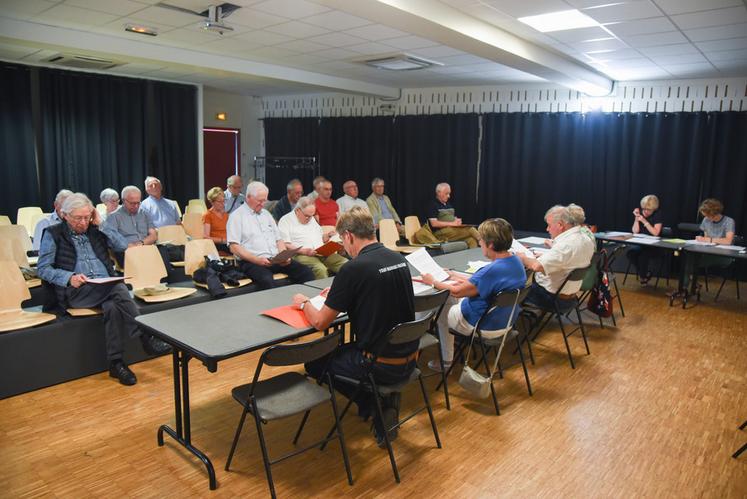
653	412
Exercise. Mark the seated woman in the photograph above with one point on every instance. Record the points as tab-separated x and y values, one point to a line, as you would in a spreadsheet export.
717	227
647	220
216	218
470	297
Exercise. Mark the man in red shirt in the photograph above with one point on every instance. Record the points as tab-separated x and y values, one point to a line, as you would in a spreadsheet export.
326	207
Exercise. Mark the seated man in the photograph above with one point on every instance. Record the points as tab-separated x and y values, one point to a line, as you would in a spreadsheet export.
134	226
54	218
375	289
381	207
299	229
233	196
160	210
76	251
442	219
350	199
326	208
110	198
286	203
316	186
572	248
253	237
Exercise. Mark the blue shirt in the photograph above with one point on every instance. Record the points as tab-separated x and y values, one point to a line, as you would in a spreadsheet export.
232	202
86	261
502	274
160	211
385	213
42	224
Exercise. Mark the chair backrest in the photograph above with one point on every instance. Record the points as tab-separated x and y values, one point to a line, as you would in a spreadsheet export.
410	331
11	249
506	298
412	225
144	266
431	301
300	353
738	240
178	208
25	215
689	228
328	228
193	226
18	232
453	246
172	234
35	219
592	273
575	275
4	220
666	232
195	208
195	252
196	202
101	208
388	234
13	285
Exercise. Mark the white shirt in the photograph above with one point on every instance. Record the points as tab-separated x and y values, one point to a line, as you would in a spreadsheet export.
571	250
346	203
308	235
255	232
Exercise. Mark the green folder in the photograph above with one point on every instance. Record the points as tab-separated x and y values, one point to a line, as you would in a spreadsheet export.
674	241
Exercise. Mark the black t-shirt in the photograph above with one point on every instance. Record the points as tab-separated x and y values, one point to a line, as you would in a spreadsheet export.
653	219
375	289
443	212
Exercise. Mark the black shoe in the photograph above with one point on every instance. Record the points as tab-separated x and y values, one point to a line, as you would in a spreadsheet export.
154	346
119	370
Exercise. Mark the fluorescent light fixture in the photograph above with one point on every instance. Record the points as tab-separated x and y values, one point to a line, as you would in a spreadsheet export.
559	21
141	30
401	62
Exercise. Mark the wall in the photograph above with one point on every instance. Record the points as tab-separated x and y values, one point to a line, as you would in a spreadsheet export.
243	112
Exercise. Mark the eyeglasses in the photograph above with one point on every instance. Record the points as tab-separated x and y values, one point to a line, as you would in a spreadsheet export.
82	218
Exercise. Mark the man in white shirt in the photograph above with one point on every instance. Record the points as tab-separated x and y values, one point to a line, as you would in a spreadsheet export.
299	229
254	239
572	248
54	218
160	210
350	198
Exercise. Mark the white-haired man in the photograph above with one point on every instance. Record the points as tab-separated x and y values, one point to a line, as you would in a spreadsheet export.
232	194
294	191
253	237
443	220
76	251
350	199
160	210
54	218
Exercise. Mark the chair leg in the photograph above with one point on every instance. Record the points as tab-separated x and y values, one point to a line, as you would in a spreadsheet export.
430	412
718	293
524	365
490	377
387	442
741	449
342	415
236	438
459	354
619	300
340	435
263	446
583	331
565	339
300	428
443	378
627	271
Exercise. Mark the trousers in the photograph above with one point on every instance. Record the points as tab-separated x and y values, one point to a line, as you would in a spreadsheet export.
263	276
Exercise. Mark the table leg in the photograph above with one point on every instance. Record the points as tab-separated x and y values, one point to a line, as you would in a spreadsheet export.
183	432
685	291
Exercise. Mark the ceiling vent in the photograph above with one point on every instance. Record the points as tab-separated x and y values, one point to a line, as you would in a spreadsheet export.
82	62
400	62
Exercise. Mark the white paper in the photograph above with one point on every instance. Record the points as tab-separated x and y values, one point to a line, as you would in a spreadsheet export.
104	280
647	236
425	264
318	303
532	240
419	287
695	242
540	250
642	240
477	265
617	234
517	247
730	247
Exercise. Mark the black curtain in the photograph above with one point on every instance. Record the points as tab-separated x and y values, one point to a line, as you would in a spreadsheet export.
171	138
92	132
17	152
429	149
289	137
726	155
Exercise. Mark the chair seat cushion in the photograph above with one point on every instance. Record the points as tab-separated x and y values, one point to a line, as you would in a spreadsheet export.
283	395
383	390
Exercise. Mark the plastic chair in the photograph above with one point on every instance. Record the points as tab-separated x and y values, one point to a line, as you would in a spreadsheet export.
193	226
4	220
15	291
196	202
389	236
286	395
412	225
144	268
18	232
195	208
434	302
11	250
24	217
172	234
195	252
35	219
178	209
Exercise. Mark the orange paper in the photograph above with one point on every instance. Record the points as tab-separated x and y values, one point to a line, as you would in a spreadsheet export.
329	248
290	315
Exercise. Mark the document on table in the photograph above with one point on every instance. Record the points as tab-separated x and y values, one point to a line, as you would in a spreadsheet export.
730	247
419	287
475	266
695	242
647	236
105	280
425	264
642	240
617	234
532	240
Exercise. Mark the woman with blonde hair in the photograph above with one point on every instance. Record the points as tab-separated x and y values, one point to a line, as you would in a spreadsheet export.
215	219
646	220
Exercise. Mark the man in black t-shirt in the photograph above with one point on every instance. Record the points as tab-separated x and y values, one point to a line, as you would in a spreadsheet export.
375	289
444	222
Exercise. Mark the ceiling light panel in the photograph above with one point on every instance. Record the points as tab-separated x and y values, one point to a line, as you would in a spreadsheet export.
559	21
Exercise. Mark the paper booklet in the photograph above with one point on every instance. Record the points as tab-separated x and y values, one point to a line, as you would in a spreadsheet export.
105	280
642	240
617	234
284	255
329	248
532	240
699	243
425	264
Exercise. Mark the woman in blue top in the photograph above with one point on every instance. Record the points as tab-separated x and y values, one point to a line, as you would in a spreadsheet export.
470	297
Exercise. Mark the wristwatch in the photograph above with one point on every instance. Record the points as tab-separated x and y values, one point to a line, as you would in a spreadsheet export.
303	304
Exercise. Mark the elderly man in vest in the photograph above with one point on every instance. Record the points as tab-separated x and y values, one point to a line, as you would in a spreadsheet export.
76	251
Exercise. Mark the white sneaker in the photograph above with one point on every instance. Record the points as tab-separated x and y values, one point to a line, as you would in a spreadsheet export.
435	365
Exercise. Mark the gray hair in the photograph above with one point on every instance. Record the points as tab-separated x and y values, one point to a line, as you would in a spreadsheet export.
75	201
357	221
578	215
128	189
108	194
150	179
232	180
61	196
254	188
348	183
442	186
303	202
559	213
293	183
376	181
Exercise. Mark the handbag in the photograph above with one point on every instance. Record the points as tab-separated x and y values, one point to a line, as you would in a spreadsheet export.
600	298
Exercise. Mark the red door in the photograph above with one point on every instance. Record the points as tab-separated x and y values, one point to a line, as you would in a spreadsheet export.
222	153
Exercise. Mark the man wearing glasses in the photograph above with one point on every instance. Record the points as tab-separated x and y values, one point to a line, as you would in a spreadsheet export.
254	239
76	251
299	229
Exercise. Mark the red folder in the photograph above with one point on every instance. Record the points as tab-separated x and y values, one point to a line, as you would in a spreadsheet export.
290	315
328	248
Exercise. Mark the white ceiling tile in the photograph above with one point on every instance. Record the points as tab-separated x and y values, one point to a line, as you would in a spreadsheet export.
733	66
716	32
719	17
673	7
410	42
437	51
273	52
166	16
117	26
302	46
336	39
631	63
579	35
718	45
40	55
336	20
64	15
305	59
292	9
297	29
186	37
371	48
375	32
728	55
24	9
700	70
137	68
623	11
641	26
615	55
254	19
655	39
611	44
583	4
337	53
679	59
461	60
263	37
230	46
15	52
521	8
114	7
676	49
